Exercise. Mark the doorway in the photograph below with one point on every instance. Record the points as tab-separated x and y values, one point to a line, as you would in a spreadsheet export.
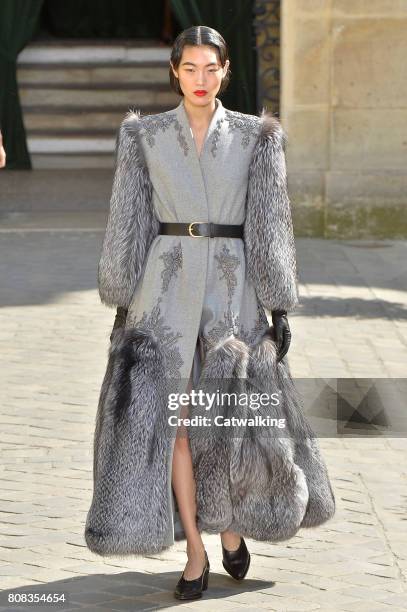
151	21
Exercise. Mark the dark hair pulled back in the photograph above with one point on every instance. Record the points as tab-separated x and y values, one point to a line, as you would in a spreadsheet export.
198	35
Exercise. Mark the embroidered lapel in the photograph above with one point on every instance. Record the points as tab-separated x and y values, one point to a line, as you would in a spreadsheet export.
212	134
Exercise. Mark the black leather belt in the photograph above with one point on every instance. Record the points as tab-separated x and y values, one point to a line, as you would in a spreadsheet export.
198	229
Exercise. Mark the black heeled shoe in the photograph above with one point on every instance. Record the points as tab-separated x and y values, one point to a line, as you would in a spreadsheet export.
192	589
236	562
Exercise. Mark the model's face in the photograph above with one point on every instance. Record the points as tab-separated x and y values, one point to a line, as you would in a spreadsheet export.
200	74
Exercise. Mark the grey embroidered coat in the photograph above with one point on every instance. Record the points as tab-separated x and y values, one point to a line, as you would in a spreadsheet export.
199	305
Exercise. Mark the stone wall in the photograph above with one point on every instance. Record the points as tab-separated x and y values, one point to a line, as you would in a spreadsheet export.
344	109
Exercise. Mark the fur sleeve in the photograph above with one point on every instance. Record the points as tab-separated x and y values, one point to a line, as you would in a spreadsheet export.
268	228
131	225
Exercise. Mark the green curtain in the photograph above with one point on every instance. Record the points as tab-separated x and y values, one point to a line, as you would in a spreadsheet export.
234	21
18	19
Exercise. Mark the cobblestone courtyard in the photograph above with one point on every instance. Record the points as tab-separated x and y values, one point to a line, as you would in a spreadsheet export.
352	322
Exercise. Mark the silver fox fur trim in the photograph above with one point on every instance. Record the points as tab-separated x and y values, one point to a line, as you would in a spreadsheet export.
261	483
268	228
131	445
132	224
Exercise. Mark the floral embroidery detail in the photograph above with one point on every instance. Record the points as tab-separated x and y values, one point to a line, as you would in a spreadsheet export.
152	124
226	327
228	264
181	138
155	324
247	124
260	326
230	324
172	263
216	135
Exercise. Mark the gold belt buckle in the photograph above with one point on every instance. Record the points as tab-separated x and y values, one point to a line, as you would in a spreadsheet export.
190	229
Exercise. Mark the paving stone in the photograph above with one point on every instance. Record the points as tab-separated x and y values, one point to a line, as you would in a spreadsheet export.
52	323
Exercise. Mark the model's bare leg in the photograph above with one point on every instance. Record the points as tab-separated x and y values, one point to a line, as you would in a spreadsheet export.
230	540
183	483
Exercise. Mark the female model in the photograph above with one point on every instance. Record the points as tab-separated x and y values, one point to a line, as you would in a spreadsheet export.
198	245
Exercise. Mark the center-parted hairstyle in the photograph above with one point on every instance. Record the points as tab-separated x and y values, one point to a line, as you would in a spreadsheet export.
198	35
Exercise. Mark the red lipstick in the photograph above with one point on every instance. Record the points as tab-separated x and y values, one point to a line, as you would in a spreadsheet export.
200	92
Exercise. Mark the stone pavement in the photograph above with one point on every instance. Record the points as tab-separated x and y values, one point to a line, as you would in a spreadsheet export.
54	333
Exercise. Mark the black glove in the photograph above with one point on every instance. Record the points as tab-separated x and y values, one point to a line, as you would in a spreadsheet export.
120	319
282	332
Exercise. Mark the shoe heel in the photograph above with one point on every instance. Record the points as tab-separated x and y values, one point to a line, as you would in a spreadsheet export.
205	580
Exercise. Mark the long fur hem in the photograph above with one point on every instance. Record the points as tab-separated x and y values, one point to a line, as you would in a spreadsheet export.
256	480
131	446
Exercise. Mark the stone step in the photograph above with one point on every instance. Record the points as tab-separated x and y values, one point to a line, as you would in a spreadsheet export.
86	96
66	151
72	161
66	120
68	145
71	74
75	94
75	51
